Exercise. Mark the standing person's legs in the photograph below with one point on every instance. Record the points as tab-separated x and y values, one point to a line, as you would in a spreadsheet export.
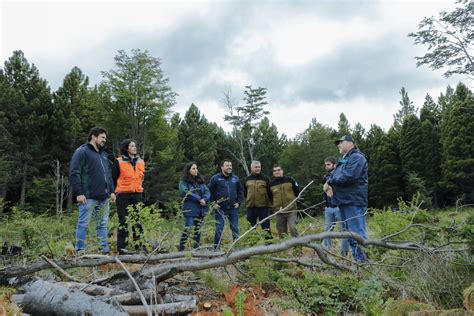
262	214
252	215
101	218
122	212
219	216
291	219
281	225
329	222
188	223
233	216
137	229
85	213
198	221
342	227
355	220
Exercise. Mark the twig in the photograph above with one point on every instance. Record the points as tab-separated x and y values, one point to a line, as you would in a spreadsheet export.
54	265
142	298
402	231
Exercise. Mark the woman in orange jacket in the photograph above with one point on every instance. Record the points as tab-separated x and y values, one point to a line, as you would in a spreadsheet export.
127	172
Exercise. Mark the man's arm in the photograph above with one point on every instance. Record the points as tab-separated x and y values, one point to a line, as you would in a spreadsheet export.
75	172
349	173
115	172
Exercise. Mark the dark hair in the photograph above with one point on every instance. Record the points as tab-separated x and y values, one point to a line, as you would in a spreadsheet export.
95	131
277	165
223	161
188	177
331	159
124	145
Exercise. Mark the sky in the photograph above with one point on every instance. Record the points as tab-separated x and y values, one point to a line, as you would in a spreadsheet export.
316	58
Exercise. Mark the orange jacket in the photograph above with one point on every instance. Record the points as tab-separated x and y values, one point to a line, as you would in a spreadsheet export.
130	179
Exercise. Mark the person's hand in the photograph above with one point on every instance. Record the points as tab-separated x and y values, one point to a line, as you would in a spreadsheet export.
236	205
113	198
202	202
81	199
329	192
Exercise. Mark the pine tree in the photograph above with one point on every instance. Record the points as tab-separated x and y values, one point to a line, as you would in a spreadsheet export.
373	144
268	145
196	138
28	116
343	125
407	108
457	138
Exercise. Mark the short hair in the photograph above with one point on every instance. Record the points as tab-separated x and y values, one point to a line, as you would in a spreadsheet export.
95	131
331	159
255	163
223	161
277	165
124	145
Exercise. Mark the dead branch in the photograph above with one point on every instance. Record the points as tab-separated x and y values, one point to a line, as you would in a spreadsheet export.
54	265
137	288
167	308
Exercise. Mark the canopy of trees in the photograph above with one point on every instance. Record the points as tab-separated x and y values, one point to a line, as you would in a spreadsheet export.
427	152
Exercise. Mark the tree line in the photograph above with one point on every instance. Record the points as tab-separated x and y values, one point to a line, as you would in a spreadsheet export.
428	152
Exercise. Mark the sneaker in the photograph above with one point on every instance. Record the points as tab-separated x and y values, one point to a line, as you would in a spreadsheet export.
124	251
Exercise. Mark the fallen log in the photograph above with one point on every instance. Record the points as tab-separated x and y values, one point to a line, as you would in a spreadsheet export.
168	308
45	298
134	297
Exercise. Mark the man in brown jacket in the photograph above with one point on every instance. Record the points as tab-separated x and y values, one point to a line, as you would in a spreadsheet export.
257	196
284	191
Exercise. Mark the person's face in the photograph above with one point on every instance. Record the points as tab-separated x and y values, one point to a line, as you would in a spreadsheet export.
227	168
99	140
277	172
256	169
329	166
132	149
193	170
344	147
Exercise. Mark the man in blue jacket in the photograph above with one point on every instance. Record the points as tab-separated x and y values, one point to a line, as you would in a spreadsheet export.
348	186
92	184
226	190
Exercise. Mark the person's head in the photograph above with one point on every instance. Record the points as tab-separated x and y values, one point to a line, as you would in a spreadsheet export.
345	144
277	171
97	137
330	163
191	173
128	147
256	167
226	166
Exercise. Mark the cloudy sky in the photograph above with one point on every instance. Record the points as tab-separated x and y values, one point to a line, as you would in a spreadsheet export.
316	58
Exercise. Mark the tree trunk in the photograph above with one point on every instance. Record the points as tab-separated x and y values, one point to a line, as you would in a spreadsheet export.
44	298
23	186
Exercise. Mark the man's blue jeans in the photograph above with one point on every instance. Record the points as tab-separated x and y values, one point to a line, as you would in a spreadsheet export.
332	215
354	217
233	217
100	210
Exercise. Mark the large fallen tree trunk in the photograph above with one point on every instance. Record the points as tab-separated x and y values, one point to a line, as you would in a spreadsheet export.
174	263
45	298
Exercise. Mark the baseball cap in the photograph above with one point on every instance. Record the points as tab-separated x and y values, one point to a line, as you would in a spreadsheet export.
343	138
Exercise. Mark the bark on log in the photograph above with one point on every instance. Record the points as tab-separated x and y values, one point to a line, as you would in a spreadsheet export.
44	298
91	289
168	308
134	297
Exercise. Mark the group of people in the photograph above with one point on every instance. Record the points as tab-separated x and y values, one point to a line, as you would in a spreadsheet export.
95	184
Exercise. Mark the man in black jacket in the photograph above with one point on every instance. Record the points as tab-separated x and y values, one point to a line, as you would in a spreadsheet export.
92	184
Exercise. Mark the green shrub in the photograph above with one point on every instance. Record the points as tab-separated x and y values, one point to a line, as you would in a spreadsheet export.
319	293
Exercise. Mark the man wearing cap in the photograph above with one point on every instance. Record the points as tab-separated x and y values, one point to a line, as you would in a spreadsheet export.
348	186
